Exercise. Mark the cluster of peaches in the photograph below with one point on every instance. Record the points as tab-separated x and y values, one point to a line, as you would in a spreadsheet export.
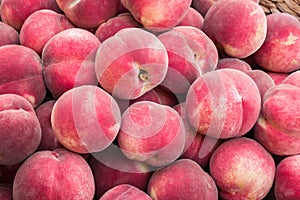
141	100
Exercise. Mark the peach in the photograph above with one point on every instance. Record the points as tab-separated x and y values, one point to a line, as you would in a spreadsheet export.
86	119
293	79
40	26
274	140
277	77
115	24
234	63
15	12
6	192
127	67
43	112
58	174
151	133
111	168
184	180
20	129
8	35
89	14
192	18
191	53
242	169
223	104
73	65
21	73
125	192
279	52
287	179
238	28
158	16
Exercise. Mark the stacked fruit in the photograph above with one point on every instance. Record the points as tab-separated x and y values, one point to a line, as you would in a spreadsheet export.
138	99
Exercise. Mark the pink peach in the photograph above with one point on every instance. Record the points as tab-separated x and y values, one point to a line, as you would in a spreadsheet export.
8	35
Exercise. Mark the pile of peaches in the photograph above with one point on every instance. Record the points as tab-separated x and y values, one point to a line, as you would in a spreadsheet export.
141	100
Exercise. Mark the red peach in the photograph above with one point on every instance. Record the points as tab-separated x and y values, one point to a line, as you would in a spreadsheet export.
234	63
192	18
184	180
8	35
277	77
89	14
21	73
151	133
127	67
293	79
85	119
160	15
6	192
20	129
242	169
40	26
125	192
58	174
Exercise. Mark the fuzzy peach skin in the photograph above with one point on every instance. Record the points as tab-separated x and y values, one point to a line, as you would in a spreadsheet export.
191	53
223	104
111	168
15	12
58	174
21	73
73	65
85	119
277	77
40	26
115	24
239	28
280	50
151	133
8	35
276	141
242	169
293	79
192	18
127	67
160	15
43	112
20	129
234	63
6	192
185	180
125	192
287	180
89	14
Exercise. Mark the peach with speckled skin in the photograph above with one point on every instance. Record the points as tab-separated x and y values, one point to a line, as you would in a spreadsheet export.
151	133
73	65
89	14
185	180
20	129
234	63
85	119
158	16
192	18
279	52
242	169
238	28
8	35
58	174
125	192
40	26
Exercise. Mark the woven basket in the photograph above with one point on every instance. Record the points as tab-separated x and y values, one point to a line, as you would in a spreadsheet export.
286	6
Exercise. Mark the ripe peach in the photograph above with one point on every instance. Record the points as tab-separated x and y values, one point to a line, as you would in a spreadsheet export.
111	168
191	53
125	192
89	14
73	65
8	35
242	169
220	105
20	129
115	24
15	12
58	174
158	16
234	63
237	27
5	192
21	73
192	18
85	119
151	133
127	67
287	178
277	77
40	26
184	180
279	52
293	79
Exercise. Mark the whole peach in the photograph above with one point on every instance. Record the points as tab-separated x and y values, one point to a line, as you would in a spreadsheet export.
8	35
192	18
234	63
